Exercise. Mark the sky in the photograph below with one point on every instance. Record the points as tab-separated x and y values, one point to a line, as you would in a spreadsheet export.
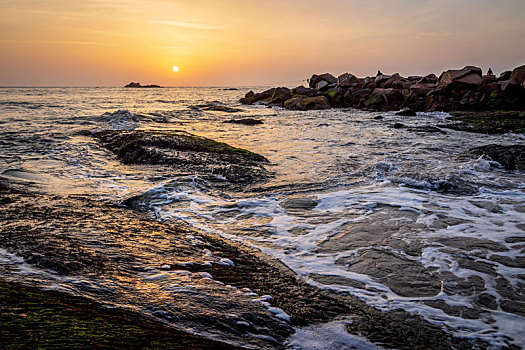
250	42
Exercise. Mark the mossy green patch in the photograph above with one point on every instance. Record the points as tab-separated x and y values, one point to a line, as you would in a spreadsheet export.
488	122
35	319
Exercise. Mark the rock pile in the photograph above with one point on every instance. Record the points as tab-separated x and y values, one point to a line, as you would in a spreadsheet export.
461	89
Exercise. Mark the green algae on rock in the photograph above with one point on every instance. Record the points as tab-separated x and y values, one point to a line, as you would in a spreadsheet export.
487	122
32	318
185	152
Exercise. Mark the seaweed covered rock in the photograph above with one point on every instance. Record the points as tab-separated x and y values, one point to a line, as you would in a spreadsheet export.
491	122
186	153
511	157
305	103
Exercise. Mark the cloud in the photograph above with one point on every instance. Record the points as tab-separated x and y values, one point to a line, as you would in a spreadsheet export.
59	42
184	24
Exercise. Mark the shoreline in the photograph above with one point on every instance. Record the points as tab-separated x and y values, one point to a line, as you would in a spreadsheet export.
305	304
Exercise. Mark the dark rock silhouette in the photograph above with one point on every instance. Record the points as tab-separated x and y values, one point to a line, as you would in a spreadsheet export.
137	85
454	90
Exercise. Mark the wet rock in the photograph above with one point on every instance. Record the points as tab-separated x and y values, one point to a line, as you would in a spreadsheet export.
518	262
457	311
407	113
245	121
376	230
378	117
511	157
275	96
466	262
490	206
513	296
427	128
122	241
185	153
398	126
490	122
403	276
221	108
301	90
337	280
305	103
299	204
488	300
454	285
469	244
518	74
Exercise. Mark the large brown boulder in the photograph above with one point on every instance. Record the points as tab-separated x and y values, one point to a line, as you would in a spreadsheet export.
422	89
305	103
467	77
346	79
321	81
428	79
275	96
280	95
518	74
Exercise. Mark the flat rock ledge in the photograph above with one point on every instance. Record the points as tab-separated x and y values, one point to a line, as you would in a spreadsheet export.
62	247
186	153
455	89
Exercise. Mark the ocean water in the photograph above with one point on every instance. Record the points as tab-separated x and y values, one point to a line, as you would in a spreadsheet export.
398	217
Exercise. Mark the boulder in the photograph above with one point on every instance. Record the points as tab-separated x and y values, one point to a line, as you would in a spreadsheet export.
244	121
393	80
487	79
305	103
320	81
301	90
407	113
251	97
185	153
467	77
511	157
280	95
428	79
346	79
381	79
504	76
422	89
511	88
272	96
518	74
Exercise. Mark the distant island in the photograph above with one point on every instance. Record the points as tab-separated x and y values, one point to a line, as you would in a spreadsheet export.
137	85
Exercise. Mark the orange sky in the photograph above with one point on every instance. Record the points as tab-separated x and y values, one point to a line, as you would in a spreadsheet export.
242	42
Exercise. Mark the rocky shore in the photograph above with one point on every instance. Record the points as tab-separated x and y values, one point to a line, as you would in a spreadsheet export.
59	318
457	89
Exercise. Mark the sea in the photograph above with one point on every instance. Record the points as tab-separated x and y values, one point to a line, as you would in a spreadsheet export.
355	203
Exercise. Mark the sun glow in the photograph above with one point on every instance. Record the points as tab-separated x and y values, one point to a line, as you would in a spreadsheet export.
175	68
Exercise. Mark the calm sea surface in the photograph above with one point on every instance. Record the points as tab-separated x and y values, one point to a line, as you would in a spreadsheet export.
354	205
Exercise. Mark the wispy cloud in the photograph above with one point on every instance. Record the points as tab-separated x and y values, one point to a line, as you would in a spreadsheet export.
59	42
184	24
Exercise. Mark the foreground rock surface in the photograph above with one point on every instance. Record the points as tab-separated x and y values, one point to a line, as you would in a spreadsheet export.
186	153
82	237
455	89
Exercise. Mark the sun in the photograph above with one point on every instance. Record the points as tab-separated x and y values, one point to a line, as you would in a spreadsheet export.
175	68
